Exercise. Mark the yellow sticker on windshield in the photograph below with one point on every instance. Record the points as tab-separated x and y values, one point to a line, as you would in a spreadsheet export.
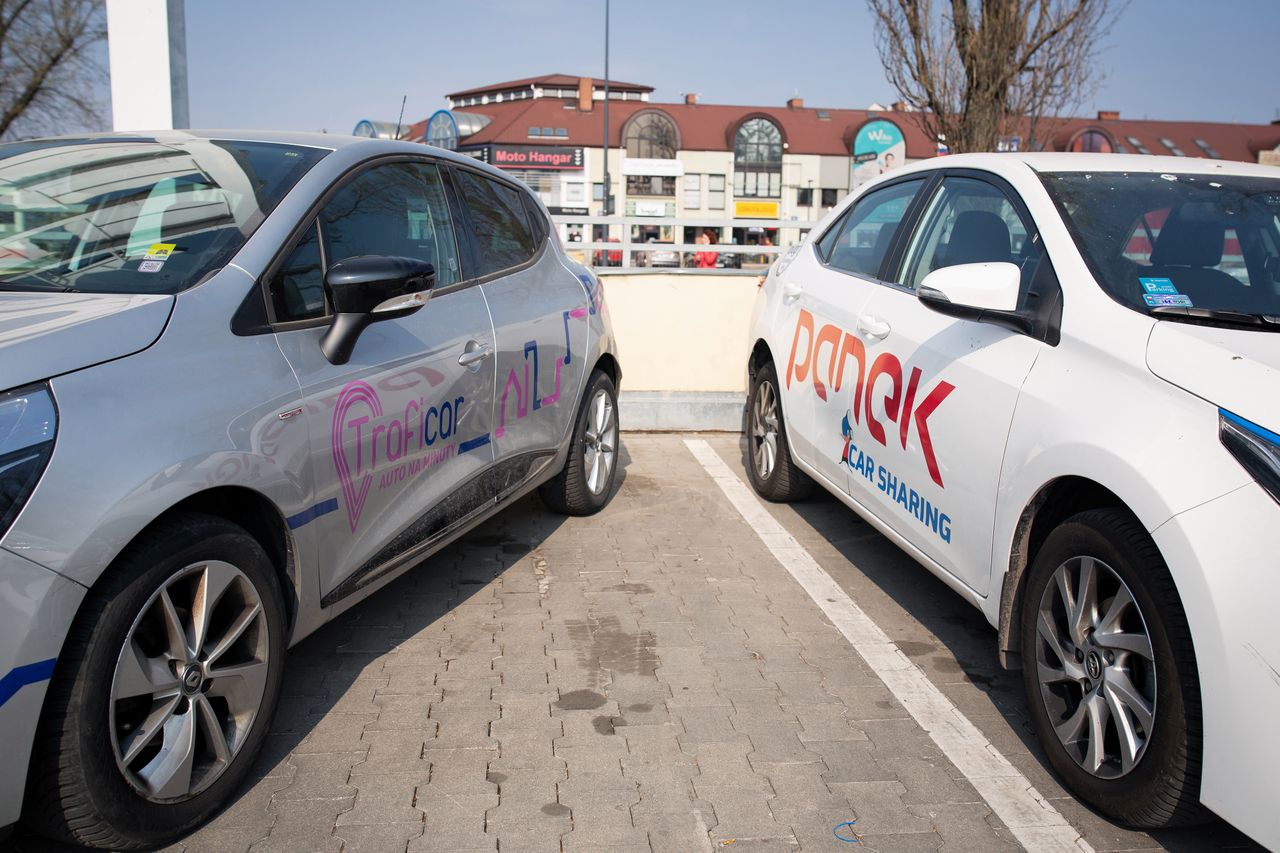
159	252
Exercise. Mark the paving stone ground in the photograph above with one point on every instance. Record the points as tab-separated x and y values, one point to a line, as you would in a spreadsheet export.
648	679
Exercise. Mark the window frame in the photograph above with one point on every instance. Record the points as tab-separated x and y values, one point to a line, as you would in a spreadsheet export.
1047	321
468	251
930	180
256	314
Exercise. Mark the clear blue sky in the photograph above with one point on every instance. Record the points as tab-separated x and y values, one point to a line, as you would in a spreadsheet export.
313	64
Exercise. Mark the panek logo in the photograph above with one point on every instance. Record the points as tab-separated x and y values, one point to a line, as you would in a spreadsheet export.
905	405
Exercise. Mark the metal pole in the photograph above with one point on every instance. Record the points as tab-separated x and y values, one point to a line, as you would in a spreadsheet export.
608	194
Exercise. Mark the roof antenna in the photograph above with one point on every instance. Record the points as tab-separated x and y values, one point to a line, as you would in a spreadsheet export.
399	120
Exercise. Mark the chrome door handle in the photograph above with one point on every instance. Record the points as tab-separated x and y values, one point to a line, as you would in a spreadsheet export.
792	291
873	327
474	354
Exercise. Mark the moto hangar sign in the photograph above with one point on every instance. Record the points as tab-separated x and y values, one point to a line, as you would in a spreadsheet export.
555	157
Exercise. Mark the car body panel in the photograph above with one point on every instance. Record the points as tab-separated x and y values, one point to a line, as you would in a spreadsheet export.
47	334
1224	366
36	609
1237	649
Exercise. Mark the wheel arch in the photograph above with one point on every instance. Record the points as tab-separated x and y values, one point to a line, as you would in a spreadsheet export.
760	356
258	515
609	364
1056	501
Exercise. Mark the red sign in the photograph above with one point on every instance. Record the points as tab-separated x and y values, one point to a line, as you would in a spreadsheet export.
554	157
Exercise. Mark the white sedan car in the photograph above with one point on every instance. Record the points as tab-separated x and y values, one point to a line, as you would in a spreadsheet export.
1052	379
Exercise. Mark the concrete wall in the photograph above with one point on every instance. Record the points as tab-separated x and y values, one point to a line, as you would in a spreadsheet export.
683	340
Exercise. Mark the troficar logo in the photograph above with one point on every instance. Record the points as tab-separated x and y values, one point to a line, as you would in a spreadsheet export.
907	405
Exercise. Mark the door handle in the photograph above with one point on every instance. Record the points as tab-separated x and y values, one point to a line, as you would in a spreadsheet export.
873	327
474	353
792	291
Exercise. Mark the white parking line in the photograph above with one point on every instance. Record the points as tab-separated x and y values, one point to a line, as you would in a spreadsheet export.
1036	824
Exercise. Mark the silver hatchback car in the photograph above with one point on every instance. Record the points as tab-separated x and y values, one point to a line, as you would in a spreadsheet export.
227	414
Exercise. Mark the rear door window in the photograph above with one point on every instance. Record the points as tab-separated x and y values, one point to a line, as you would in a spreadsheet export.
862	239
499	224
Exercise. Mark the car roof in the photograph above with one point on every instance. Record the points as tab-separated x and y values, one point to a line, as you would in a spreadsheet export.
1082	162
327	141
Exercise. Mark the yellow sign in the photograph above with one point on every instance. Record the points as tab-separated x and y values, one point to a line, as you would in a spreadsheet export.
159	252
756	209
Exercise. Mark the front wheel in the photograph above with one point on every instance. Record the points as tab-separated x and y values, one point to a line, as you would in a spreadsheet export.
773	474
1110	671
164	691
585	483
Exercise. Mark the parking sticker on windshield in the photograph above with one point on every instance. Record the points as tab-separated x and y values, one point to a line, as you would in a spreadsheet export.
159	252
151	266
1158	285
1160	300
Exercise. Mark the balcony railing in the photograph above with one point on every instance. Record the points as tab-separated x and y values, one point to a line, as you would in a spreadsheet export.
622	251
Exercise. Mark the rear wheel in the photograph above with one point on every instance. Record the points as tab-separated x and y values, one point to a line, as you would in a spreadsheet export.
769	467
164	691
1110	671
585	484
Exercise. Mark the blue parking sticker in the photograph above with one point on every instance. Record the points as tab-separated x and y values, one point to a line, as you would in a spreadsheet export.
1158	300
1158	285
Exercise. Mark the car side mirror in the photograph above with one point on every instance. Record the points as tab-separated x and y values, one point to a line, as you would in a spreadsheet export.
368	289
987	293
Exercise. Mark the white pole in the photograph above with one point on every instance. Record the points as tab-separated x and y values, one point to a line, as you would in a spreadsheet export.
147	45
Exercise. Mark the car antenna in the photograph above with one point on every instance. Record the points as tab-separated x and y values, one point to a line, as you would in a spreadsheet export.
399	120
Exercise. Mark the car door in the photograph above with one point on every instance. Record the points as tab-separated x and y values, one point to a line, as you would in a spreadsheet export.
827	361
540	313
400	434
940	392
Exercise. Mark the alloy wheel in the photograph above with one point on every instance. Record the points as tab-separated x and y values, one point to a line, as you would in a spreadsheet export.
601	442
764	430
1096	667
189	682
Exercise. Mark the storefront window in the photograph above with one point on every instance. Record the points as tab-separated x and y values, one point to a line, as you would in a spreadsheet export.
757	154
651	135
651	185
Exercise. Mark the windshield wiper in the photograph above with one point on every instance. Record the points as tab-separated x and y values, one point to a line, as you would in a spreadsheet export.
1218	317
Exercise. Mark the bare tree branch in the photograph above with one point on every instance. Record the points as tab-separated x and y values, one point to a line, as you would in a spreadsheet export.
49	75
987	70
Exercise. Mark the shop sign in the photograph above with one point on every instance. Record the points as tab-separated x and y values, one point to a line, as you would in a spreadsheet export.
554	157
652	167
878	147
651	208
567	211
756	210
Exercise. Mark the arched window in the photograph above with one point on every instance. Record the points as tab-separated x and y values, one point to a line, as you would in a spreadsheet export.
651	135
757	156
1094	141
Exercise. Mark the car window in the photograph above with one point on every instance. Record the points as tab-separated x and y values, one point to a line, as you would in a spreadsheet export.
969	221
297	288
503	236
1177	240
864	237
396	209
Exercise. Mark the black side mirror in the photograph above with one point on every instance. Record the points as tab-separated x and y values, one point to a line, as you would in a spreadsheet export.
367	289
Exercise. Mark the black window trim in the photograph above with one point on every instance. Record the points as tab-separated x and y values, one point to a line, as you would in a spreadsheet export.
472	254
256	316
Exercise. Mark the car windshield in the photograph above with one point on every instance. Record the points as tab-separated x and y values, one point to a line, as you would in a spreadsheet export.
121	215
1199	246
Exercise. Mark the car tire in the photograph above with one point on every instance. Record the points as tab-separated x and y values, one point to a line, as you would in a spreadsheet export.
1121	665
96	778
585	484
770	468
